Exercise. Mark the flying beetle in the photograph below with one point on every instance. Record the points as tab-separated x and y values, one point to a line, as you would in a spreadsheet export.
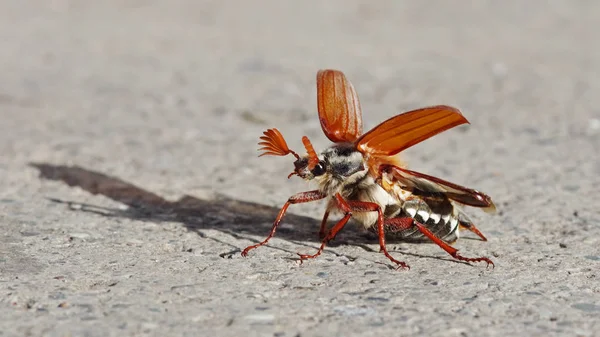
362	178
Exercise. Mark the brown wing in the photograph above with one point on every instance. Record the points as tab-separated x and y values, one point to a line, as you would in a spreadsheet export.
338	105
426	185
407	129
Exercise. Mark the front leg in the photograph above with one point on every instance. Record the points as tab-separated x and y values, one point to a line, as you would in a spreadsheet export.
295	199
357	206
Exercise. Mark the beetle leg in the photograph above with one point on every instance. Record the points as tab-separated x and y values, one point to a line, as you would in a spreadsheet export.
356	206
295	199
324	224
449	249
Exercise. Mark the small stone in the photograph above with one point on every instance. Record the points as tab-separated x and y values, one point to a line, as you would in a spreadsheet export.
81	236
260	318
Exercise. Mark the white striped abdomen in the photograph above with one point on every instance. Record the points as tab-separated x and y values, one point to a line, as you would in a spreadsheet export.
437	214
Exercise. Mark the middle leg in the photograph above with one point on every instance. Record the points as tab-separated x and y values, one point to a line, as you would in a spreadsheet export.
357	206
324	224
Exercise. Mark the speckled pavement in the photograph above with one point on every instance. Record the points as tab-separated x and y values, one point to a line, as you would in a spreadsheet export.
130	179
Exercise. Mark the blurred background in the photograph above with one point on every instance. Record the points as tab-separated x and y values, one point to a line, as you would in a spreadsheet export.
205	78
171	96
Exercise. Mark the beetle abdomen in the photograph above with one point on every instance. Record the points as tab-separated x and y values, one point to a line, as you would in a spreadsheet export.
437	214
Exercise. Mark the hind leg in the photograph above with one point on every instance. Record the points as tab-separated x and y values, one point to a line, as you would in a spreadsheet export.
449	249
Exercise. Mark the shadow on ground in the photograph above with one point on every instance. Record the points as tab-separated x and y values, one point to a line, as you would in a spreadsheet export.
225	214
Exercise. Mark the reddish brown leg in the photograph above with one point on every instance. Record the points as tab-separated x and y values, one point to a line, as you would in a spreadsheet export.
332	233
472	228
295	199
357	206
449	249
381	232
323	225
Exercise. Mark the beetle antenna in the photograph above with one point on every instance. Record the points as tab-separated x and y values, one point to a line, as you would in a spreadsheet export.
274	144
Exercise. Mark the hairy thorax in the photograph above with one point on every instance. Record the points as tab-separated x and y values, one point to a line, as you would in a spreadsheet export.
348	174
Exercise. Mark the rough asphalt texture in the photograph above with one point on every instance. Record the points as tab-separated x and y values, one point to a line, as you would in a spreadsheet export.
130	181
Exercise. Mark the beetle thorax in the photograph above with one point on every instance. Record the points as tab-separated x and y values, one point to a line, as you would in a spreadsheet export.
343	165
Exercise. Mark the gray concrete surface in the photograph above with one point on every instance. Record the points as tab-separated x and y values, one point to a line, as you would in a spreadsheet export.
130	182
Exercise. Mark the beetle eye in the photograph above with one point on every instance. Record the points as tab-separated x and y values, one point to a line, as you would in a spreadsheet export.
319	169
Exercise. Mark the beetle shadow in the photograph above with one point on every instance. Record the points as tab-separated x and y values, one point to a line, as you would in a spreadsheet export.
235	217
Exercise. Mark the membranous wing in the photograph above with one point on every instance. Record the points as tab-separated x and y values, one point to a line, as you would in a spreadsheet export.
419	184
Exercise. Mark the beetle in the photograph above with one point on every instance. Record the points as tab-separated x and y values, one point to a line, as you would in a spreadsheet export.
362	178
